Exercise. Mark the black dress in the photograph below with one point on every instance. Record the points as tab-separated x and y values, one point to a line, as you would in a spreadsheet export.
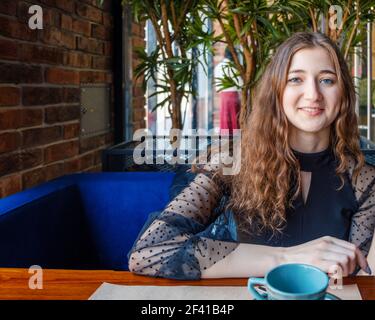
193	232
326	212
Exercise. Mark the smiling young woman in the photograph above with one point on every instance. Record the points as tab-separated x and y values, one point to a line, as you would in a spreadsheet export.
303	193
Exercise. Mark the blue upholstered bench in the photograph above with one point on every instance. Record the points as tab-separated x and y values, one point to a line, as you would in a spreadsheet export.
80	221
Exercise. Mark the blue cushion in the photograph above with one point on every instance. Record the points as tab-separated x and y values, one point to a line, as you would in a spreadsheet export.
81	221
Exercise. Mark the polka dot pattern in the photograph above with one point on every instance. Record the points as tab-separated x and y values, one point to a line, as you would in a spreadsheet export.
363	221
171	247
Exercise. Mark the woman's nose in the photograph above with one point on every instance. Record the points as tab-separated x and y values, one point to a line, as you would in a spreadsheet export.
312	91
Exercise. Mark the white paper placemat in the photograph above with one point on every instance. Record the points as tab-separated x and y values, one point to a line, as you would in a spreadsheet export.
108	291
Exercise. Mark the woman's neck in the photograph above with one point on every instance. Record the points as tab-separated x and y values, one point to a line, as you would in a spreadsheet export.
307	142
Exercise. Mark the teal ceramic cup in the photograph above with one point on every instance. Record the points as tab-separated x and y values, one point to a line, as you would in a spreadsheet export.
292	282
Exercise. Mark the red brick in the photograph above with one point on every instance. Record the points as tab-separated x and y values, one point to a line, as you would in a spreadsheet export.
17	161
52	18
61	151
21	118
94	169
71	95
66	22
79	60
9	96
102	63
33	178
138	81
10	185
82	27
8	7
40	136
96	3
31	158
14	29
40	175
9	119
138	114
62	76
53	171
138	42
87	144
89	12
105	6
9	141
138	29
71	130
23	12
52	36
138	91
90	45
9	163
31	117
68	40
66	5
51	3
100	32
86	161
139	102
92	77
8	50
40	54
139	125
20	73
41	96
108	48
72	166
56	37
62	114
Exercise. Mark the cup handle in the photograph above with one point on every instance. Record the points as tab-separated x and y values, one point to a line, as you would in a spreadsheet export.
329	296
252	282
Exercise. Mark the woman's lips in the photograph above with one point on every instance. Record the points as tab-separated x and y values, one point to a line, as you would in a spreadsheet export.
312	111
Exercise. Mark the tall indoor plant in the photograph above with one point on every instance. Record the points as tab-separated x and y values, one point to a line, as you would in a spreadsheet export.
258	27
179	27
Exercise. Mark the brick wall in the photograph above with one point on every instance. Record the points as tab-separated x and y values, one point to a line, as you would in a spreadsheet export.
40	76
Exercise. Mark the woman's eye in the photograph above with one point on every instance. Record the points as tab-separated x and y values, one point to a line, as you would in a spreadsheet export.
294	80
327	81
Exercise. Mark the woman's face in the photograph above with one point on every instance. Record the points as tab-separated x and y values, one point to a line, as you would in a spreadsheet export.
311	98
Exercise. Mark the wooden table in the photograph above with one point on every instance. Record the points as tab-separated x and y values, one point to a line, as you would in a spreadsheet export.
80	284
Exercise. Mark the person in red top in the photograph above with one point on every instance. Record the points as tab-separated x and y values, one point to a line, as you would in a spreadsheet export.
229	97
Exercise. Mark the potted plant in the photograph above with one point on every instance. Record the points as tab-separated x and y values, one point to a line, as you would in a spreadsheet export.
258	27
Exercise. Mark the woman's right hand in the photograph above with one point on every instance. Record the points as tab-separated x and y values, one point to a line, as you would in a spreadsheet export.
326	253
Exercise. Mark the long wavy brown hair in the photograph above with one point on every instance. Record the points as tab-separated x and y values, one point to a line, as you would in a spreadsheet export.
261	191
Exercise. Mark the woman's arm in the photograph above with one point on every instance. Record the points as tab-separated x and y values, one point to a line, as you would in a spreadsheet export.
363	221
245	261
370	259
179	244
325	253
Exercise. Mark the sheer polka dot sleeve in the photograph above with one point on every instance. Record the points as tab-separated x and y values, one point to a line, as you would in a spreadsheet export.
363	221
183	239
